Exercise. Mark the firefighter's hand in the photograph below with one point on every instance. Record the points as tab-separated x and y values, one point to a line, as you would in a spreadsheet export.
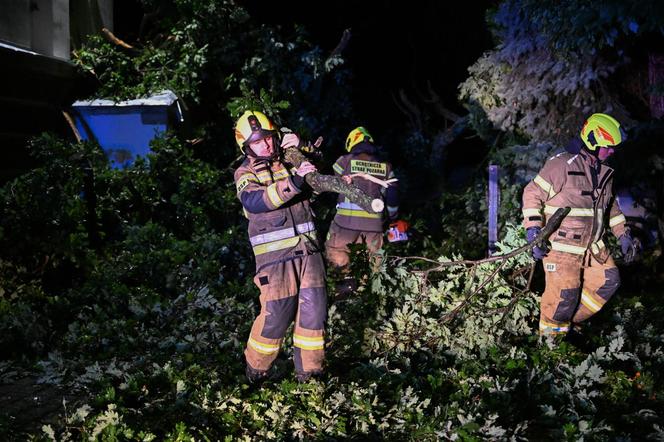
537	251
290	140
305	168
630	247
347	179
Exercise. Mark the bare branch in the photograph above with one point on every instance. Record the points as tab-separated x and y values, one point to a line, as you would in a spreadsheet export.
115	40
345	39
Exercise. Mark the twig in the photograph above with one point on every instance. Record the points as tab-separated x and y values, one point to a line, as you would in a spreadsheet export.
113	39
345	38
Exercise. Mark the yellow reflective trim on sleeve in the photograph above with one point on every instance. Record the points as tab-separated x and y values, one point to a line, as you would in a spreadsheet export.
575	211
264	177
337	168
266	349
544	184
618	219
590	303
359	213
273	195
281	174
531	212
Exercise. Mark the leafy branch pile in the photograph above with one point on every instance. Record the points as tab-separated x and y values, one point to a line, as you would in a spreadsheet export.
130	290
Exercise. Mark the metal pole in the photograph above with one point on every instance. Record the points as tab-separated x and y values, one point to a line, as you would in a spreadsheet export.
494	203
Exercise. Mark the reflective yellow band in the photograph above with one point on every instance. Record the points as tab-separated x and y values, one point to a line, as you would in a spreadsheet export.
596	247
551	328
575	211
568	248
308	343
590	303
359	213
618	219
280	174
276	245
543	184
338	169
280	234
273	196
532	212
266	349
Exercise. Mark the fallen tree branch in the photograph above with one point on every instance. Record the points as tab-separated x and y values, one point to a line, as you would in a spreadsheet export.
329	183
115	40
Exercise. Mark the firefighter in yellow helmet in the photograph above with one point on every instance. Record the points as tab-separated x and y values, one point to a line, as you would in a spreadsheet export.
580	273
351	223
289	267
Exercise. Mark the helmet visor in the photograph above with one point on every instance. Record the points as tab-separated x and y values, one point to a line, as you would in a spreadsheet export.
258	135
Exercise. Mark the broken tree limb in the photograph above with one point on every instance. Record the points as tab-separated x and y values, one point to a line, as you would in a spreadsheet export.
329	183
115	40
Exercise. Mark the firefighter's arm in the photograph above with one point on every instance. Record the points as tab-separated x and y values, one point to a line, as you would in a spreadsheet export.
617	220
259	198
546	184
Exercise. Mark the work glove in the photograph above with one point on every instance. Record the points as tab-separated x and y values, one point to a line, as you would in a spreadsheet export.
631	248
305	168
537	251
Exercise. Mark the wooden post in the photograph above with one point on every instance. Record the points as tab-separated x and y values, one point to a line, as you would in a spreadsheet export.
494	204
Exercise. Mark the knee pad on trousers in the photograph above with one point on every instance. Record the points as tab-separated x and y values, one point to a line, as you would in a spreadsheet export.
569	300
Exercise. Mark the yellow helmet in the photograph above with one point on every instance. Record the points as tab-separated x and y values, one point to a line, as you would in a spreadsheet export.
602	130
356	136
252	126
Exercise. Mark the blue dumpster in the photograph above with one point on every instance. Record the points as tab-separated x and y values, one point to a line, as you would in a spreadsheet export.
124	129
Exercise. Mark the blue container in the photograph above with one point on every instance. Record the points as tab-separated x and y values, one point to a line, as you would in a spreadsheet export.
124	129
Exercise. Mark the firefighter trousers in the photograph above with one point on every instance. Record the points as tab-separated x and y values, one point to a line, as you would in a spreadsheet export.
336	246
577	287
290	290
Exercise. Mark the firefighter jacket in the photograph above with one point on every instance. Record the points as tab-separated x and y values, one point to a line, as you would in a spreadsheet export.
586	186
364	158
281	225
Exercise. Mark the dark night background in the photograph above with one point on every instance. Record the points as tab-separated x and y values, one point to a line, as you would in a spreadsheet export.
129	291
393	46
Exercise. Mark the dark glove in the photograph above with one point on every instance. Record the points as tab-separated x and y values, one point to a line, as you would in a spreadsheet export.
631	248
537	251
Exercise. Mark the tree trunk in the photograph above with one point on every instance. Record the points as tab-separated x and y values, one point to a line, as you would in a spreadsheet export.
329	183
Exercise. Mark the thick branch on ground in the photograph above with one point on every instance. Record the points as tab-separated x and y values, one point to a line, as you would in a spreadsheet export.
551	225
328	183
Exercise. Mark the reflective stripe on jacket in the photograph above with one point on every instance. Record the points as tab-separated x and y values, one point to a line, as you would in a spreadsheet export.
575	181
364	159
281	223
